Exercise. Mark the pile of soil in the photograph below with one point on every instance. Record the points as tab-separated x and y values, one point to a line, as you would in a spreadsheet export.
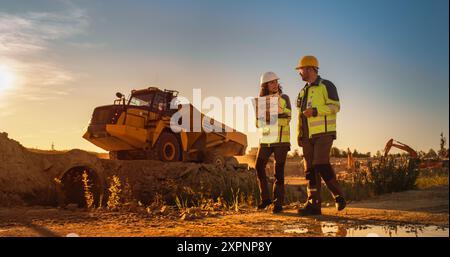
151	178
35	178
21	175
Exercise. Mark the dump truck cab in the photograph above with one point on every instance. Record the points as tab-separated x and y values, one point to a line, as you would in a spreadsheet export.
139	128
151	99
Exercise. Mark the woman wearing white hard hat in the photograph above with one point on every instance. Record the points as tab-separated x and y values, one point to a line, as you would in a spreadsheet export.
275	139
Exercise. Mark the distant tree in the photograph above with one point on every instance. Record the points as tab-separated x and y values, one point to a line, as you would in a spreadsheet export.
335	152
357	154
378	154
431	154
442	150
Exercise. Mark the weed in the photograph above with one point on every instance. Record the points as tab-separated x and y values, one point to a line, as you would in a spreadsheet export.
114	189
88	196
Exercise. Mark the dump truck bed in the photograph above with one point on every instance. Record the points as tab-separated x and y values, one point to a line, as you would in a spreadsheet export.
133	129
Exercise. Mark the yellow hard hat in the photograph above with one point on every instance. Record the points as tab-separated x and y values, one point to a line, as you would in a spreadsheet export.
308	61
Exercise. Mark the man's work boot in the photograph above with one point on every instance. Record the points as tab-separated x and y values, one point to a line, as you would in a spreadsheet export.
312	205
309	209
340	203
335	189
264	204
277	209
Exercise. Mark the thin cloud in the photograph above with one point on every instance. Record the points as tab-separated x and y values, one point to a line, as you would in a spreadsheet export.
33	31
26	38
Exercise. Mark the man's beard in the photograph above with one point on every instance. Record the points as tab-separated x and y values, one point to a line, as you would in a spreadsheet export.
304	78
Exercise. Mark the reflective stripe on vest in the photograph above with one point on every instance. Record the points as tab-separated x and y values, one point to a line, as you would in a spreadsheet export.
322	122
317	97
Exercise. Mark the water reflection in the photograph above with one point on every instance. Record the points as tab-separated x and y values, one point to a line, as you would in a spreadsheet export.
338	230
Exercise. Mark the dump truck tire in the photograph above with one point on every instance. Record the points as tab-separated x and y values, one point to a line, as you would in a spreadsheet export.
231	161
214	157
168	147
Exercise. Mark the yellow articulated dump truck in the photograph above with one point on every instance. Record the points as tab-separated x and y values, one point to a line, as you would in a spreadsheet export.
138	128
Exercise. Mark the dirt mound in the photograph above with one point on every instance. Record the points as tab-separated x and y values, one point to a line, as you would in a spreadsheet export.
55	178
21	176
169	180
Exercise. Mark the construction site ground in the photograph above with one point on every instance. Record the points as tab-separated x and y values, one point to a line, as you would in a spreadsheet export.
411	213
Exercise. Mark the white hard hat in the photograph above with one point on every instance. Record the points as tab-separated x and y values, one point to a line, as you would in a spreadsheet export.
268	76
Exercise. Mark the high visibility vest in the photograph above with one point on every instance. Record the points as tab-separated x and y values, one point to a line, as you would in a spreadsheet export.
323	98
278	130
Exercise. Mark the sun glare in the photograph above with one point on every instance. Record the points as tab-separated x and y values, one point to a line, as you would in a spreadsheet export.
6	78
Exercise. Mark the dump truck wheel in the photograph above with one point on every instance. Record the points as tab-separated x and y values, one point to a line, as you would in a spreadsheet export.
214	157
168	147
232	161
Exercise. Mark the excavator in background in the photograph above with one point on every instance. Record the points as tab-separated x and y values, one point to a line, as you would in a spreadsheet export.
423	163
393	143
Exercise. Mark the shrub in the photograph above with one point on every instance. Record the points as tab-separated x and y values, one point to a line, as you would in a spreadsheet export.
393	175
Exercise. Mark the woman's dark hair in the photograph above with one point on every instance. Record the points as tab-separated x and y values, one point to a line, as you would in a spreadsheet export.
264	91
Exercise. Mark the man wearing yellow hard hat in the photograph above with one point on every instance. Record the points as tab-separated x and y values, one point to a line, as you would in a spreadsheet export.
318	104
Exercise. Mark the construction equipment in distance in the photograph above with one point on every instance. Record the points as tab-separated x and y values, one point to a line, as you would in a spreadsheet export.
392	143
139	128
423	162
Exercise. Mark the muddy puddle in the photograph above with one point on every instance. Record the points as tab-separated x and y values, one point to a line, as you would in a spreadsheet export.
336	230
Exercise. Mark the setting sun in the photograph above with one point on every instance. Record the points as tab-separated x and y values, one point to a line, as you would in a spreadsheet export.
6	78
